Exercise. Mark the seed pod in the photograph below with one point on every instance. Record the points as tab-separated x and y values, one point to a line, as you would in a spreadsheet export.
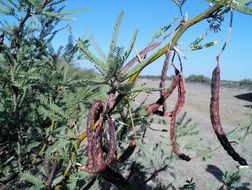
141	54
112	142
163	77
98	153
153	108
128	152
92	117
112	148
178	106
215	117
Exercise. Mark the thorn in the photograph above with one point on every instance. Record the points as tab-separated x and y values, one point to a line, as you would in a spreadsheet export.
186	16
138	56
179	52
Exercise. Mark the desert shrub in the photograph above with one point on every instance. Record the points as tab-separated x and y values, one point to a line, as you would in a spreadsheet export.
245	82
198	78
154	77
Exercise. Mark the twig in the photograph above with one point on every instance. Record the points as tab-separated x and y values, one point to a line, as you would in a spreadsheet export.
227	38
153	175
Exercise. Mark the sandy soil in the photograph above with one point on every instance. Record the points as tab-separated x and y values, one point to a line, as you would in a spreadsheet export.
235	108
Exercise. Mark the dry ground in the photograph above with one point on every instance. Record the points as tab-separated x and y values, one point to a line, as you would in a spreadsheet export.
235	108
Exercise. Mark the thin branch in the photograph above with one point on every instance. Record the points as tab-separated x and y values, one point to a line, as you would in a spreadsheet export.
153	175
227	38
183	27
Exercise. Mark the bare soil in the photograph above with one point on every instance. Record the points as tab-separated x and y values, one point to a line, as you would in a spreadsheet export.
235	109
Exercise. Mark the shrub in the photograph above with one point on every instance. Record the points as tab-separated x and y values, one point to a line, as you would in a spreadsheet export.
198	78
245	82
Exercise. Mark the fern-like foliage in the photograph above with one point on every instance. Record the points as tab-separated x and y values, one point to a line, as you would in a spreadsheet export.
190	185
238	5
110	67
179	3
195	45
42	104
37	182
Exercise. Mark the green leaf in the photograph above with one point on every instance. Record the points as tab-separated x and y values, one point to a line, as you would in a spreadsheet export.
127	53
241	7
57	180
27	176
84	48
198	47
162	30
115	35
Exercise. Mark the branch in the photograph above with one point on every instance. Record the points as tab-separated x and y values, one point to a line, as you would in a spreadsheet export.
183	27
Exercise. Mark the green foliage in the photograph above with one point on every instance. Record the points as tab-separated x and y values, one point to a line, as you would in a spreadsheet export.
196	46
232	180
190	185
37	182
109	68
238	5
245	82
162	30
179	3
43	102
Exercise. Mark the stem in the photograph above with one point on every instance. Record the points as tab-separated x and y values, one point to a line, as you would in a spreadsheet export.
184	26
21	26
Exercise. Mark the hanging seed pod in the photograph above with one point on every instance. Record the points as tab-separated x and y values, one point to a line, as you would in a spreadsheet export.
178	106
92	117
141	55
163	77
98	153
215	117
112	142
112	148
129	151
153	108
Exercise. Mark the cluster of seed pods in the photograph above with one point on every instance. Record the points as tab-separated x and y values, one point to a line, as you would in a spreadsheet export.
96	162
99	115
178	82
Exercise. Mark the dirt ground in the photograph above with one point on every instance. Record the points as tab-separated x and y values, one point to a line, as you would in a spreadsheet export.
235	109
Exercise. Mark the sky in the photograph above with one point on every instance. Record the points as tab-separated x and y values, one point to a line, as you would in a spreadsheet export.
148	16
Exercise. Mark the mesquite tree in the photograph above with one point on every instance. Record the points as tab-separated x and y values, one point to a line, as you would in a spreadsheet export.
40	118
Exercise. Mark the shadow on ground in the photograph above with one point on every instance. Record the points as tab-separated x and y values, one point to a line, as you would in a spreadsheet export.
219	175
246	97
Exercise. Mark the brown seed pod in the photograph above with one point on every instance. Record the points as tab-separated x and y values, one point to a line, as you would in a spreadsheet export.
129	151
92	117
112	142
136	58
98	153
153	108
101	167
177	108
215	117
163	77
164	73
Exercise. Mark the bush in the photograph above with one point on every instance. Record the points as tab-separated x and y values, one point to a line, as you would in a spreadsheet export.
197	78
245	82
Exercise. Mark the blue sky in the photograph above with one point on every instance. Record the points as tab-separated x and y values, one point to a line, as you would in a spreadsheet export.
148	17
